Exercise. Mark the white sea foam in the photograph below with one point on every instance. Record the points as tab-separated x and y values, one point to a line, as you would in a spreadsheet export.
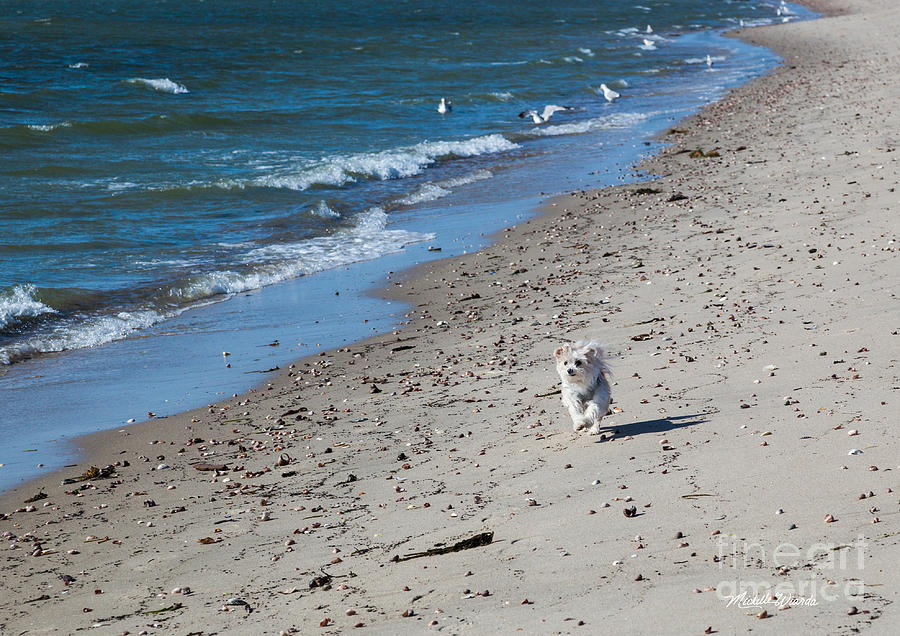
504	96
163	85
427	192
702	60
89	332
586	51
573	59
321	209
465	179
19	302
49	127
79	65
368	239
396	163
619	120
439	189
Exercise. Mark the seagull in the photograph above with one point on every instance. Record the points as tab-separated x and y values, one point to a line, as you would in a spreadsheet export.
649	29
742	23
709	61
545	116
648	45
609	93
445	106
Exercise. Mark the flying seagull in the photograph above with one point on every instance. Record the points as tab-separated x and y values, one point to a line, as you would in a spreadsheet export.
545	116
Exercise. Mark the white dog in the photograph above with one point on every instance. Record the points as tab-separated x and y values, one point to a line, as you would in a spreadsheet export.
585	378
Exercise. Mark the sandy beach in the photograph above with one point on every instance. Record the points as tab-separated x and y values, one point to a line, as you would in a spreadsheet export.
429	479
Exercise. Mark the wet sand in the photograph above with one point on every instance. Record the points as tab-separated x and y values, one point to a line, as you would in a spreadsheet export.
748	298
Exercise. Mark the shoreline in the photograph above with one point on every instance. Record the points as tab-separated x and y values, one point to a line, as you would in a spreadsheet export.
132	377
464	404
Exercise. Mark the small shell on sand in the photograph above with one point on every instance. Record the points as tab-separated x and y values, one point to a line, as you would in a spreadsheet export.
829	519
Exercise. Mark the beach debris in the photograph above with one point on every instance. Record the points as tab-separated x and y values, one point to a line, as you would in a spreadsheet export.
678	196
170	608
209	540
236	602
323	581
283	460
829	518
855	451
43	597
477	541
37	497
93	473
210	467
630	512
852	611
698	153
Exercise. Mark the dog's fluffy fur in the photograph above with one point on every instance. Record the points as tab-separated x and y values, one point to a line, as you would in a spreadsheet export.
585	379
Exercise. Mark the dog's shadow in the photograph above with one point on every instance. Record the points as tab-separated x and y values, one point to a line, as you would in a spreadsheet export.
660	425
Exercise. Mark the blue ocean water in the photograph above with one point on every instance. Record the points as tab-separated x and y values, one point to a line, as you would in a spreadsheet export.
182	178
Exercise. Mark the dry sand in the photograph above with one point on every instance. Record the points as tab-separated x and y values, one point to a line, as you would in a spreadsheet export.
754	326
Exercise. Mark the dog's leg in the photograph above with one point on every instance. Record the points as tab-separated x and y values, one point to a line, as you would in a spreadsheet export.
574	406
597	407
578	420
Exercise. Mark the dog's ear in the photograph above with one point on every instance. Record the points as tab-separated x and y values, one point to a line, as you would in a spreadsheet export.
558	353
595	351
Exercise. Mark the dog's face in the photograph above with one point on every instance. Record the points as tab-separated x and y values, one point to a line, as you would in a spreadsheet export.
576	365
